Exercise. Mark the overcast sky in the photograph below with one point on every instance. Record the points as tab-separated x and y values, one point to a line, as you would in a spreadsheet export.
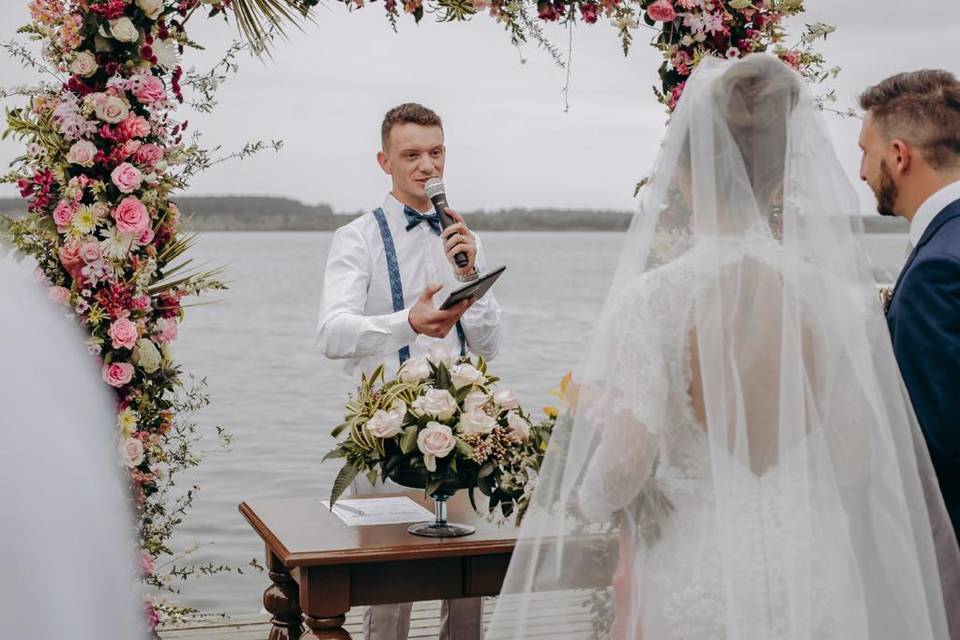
509	141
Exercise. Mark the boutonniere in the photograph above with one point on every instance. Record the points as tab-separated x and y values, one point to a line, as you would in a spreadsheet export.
886	296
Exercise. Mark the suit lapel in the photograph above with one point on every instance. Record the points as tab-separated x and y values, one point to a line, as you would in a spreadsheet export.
952	211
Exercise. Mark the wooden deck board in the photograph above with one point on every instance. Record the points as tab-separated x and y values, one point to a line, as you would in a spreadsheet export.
557	615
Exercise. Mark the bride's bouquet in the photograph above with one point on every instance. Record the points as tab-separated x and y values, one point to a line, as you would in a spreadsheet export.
441	424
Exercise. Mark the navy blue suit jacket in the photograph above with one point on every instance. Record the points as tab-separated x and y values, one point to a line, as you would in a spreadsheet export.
924	321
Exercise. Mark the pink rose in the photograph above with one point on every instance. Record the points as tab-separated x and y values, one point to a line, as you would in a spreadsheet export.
123	334
91	252
101	210
135	127
148	154
127	177
117	374
82	153
150	89
662	11
435	441
59	294
131	452
130	147
131	216
63	214
168	330
145	237
141	303
110	109
70	258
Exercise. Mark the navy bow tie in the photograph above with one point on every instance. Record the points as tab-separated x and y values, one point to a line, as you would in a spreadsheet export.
414	218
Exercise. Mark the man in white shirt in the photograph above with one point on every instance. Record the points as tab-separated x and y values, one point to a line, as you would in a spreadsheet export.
383	271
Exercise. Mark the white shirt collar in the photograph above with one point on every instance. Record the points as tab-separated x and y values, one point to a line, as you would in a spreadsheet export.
930	208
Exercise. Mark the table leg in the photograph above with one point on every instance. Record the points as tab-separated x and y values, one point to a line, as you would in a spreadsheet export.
325	601
282	599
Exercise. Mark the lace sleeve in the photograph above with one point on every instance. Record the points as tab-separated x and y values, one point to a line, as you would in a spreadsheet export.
625	404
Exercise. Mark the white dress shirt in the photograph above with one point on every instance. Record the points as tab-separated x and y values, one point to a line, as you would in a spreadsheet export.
930	208
357	322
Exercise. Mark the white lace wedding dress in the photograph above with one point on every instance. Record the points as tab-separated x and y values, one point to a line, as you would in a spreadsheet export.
739	459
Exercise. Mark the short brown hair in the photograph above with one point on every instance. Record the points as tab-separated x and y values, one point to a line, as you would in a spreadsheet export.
922	108
408	112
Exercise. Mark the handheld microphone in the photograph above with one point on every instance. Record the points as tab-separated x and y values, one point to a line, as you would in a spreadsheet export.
438	196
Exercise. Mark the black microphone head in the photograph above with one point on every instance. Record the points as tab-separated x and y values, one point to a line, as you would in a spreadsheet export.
434	187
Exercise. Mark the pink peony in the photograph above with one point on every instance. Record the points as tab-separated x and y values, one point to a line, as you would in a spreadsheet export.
91	252
58	294
123	334
64	213
82	153
150	89
126	177
117	374
168	330
662	11
148	154
147	564
131	216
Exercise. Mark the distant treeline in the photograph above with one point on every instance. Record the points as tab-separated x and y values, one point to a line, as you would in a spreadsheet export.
257	213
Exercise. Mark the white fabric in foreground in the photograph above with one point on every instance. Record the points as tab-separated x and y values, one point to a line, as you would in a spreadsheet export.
65	529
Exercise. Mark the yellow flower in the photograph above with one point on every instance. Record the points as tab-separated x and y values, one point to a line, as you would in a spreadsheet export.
127	421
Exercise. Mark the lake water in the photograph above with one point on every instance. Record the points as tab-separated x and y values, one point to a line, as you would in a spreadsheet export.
279	397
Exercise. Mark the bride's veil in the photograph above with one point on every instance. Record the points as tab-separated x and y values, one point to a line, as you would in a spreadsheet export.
742	351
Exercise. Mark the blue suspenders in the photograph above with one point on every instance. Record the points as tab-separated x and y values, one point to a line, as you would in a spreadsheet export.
396	286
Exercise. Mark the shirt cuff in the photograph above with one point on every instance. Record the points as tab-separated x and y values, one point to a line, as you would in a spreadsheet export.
399	325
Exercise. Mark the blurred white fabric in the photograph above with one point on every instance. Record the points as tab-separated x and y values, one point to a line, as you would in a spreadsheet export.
66	543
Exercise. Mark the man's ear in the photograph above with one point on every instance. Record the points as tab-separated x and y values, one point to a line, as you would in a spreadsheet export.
903	156
383	162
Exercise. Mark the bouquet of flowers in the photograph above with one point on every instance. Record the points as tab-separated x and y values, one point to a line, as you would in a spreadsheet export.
443	424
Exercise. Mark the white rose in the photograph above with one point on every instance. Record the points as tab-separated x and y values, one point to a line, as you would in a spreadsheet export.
477	422
82	153
466	374
475	400
435	441
84	64
152	8
131	452
415	370
160	165
124	30
146	355
151	178
518	428
437	403
111	109
507	398
439	352
386	424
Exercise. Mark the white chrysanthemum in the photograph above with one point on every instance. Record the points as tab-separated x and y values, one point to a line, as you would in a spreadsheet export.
115	245
127	421
167	55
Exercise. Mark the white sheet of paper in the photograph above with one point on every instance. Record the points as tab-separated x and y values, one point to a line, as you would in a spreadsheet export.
360	512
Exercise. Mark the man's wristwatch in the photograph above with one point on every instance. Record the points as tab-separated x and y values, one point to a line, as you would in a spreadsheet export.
470	277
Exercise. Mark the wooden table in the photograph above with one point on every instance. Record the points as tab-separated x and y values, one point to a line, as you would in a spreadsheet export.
320	567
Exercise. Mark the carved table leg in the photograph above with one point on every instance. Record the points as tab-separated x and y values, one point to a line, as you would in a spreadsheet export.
326	628
282	599
325	600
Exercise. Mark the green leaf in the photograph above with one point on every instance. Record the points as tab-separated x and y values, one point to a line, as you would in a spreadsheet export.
408	442
443	377
465	450
484	485
471	492
342	481
337	430
432	485
487	469
372	476
336	453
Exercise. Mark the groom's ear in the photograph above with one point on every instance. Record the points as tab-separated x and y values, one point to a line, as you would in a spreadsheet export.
902	154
